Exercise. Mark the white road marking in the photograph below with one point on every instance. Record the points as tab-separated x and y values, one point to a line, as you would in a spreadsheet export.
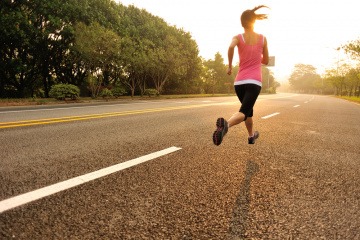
25	198
306	102
271	115
270	97
296	106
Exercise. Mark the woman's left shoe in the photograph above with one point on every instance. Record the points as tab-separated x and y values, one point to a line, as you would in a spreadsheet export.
220	132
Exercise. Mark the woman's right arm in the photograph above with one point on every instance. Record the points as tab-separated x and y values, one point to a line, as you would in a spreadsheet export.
233	44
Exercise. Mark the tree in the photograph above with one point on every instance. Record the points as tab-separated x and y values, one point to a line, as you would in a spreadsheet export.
15	65
48	42
186	79
353	48
215	76
303	78
99	50
36	37
269	84
352	81
136	46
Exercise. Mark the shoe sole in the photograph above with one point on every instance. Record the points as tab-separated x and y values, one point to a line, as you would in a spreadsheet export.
218	134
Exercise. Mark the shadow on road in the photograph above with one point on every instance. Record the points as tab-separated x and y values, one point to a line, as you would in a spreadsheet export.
237	228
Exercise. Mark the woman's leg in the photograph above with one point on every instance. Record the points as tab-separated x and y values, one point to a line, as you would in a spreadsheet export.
249	126
236	118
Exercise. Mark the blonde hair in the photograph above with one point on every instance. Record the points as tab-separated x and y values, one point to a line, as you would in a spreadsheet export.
249	17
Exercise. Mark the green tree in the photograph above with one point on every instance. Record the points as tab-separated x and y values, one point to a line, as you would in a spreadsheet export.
352	81
215	75
48	42
99	50
269	84
36	37
155	54
141	34
353	48
186	78
303	78
13	50
333	78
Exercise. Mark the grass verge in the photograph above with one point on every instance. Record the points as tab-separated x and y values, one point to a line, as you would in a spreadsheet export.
352	99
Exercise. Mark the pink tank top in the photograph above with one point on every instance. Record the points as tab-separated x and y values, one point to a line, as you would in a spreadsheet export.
250	61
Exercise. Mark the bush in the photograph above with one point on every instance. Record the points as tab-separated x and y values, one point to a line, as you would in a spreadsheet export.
118	91
151	91
63	91
272	90
106	93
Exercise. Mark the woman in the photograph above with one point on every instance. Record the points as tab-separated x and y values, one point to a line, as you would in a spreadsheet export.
253	51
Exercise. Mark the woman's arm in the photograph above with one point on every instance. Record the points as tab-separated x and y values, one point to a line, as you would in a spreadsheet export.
265	57
233	44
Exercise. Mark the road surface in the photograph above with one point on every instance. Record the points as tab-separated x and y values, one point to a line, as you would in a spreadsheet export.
149	170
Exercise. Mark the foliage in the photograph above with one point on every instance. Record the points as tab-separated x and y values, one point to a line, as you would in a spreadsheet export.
63	91
214	76
269	85
344	79
353	48
155	54
92	44
151	92
106	93
352	99
118	91
304	78
99	48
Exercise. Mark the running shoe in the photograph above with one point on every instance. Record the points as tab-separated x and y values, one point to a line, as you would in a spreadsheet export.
253	138
221	130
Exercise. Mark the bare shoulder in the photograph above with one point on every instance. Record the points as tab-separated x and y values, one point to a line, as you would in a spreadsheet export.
235	39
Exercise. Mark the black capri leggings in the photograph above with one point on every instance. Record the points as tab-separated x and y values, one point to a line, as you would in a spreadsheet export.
247	94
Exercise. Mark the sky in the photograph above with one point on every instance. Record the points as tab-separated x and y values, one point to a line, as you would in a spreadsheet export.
303	31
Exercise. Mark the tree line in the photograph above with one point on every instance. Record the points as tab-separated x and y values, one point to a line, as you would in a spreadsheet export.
100	44
343	79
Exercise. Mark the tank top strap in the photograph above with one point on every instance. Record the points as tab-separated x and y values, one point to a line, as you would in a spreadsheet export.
241	38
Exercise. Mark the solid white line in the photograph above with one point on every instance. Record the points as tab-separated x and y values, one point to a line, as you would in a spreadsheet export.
61	186
271	115
296	106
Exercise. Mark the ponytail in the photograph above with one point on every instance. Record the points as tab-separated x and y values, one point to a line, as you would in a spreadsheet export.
259	16
249	17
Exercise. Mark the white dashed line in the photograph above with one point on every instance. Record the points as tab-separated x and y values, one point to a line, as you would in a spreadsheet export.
296	106
271	115
61	186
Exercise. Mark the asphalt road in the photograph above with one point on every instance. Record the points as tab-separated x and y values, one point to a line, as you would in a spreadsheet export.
300	180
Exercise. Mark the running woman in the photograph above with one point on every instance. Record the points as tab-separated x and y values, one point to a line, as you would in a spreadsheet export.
253	52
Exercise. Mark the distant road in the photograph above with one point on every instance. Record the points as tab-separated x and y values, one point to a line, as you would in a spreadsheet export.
149	170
